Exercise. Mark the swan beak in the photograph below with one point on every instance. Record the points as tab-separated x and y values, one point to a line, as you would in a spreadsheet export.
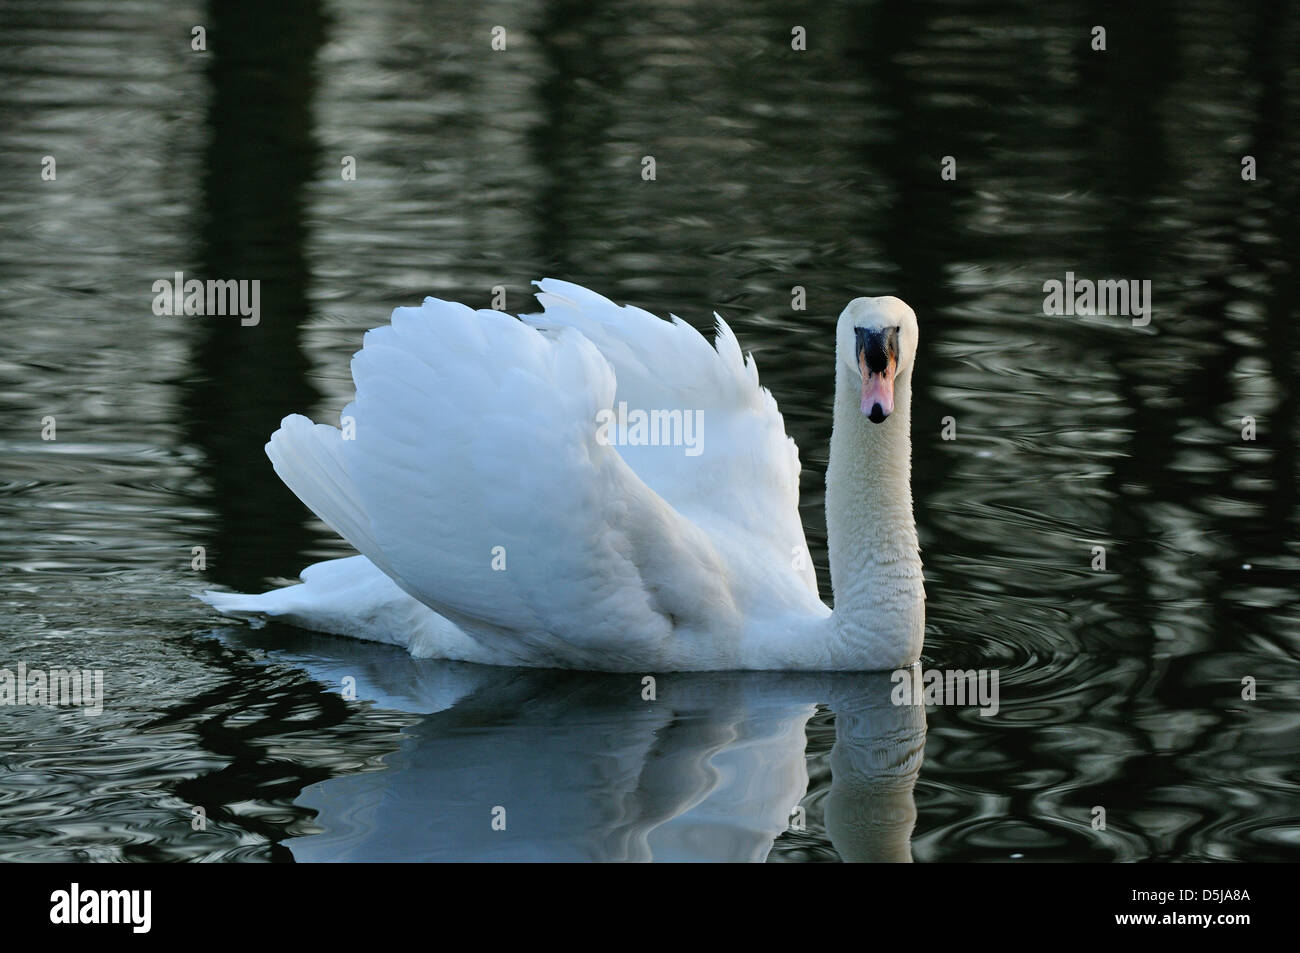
877	360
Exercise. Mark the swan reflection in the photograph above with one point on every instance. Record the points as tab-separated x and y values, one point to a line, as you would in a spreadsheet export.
584	767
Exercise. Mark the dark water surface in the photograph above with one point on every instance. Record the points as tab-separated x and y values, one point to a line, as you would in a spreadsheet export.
1121	689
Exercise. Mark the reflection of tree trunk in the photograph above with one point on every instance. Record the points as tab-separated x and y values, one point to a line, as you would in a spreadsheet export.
1271	472
1275	145
569	142
1123	98
925	225
246	379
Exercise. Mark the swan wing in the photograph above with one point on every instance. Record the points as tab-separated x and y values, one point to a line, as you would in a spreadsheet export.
740	479
469	471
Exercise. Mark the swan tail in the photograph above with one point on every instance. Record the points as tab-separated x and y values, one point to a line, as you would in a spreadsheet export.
323	584
352	597
241	605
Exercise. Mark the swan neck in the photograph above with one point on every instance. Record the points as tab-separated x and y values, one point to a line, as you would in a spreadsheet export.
871	531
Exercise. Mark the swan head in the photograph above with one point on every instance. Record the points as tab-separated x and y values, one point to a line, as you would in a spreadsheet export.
875	341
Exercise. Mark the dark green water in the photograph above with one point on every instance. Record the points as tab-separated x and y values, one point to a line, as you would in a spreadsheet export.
775	168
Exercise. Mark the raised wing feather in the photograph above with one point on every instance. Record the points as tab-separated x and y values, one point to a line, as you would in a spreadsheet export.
471	470
487	496
741	481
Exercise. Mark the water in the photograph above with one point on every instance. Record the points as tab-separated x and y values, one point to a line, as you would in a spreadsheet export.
1121	688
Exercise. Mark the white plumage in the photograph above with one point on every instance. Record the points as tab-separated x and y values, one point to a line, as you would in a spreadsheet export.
477	443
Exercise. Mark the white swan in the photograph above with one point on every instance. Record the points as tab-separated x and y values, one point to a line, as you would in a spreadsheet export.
500	519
